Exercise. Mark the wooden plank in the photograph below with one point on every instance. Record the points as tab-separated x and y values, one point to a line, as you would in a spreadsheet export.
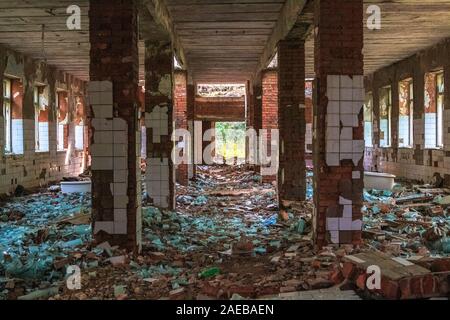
228	17
206	9
239	25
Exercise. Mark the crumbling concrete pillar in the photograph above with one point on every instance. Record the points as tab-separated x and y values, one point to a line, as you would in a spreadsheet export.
160	170
338	137
269	121
114	130
181	122
291	120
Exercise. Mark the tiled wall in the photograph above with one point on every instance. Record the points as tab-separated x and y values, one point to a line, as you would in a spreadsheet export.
28	168
417	162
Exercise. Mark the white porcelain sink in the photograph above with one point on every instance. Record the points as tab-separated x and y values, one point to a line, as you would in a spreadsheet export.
378	180
76	186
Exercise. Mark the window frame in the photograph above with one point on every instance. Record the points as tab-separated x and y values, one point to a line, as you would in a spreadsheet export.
410	102
439	137
440	111
82	126
58	92
37	104
389	119
7	100
366	99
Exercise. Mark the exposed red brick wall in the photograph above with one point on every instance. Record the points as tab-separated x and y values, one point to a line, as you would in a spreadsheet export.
206	125
257	102
181	117
191	102
291	119
114	57
269	109
338	51
257	115
220	109
191	116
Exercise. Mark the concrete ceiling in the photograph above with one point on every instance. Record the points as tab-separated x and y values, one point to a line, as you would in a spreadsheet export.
407	26
223	40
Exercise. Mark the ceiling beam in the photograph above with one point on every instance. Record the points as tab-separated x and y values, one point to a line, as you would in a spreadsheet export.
161	15
286	21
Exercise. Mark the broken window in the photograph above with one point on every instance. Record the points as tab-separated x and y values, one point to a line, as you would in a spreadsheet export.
434	109
405	117
368	120
12	113
62	127
41	112
385	95
221	90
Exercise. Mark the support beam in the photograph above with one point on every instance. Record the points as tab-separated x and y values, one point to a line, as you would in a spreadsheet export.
161	14
160	172
113	99
286	21
338	136
291	120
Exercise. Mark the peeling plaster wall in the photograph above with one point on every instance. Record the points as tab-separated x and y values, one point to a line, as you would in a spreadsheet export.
32	169
416	162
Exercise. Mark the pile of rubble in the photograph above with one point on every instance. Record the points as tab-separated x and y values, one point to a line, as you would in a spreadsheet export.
408	222
407	235
228	240
38	234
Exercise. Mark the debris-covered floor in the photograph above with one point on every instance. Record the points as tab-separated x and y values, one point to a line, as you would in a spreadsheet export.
226	240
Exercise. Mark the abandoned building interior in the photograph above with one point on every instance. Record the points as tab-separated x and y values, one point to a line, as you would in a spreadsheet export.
139	139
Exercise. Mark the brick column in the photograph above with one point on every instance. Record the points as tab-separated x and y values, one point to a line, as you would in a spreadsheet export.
207	125
339	144
249	105
160	172
291	120
114	131
269	112
257	117
181	119
191	116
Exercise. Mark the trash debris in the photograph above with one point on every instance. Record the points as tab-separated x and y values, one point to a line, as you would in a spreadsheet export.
209	273
226	240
